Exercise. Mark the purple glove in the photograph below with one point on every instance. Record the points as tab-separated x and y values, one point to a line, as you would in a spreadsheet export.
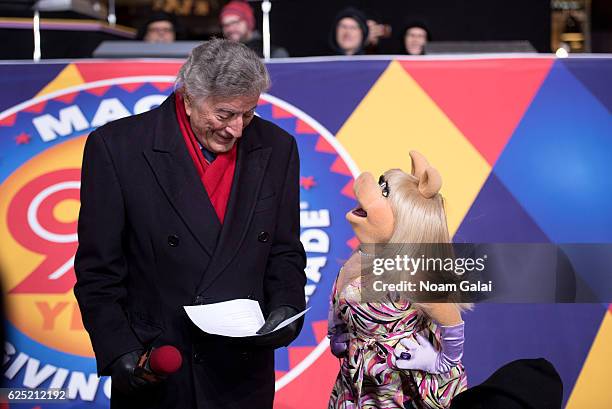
338	342
337	332
422	355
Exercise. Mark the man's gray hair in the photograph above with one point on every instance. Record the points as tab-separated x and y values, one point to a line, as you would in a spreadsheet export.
222	68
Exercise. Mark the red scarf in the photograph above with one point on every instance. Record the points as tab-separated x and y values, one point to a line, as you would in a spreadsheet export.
216	176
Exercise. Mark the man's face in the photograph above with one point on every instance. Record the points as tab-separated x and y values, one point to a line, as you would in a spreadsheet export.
414	40
235	28
160	32
348	35
218	122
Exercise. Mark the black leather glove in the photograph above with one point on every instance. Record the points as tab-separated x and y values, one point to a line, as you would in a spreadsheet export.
123	376
282	337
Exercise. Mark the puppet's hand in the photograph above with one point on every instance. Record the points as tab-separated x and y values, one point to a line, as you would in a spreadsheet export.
337	332
338	341
422	355
416	354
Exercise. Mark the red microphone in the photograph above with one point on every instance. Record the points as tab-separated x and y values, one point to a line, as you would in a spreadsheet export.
158	363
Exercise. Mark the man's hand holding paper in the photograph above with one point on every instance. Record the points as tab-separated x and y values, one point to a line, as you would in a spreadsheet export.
243	318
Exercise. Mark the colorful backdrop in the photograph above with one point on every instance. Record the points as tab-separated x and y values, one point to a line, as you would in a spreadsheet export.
524	146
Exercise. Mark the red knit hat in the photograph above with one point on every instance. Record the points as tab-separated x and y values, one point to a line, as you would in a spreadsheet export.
240	9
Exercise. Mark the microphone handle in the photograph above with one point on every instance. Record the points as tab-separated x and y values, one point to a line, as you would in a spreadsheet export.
143	370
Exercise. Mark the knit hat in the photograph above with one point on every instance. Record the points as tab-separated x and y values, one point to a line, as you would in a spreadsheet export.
520	384
155	17
240	9
415	23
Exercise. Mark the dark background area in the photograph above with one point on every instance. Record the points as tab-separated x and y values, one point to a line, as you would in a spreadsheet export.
54	44
601	26
303	26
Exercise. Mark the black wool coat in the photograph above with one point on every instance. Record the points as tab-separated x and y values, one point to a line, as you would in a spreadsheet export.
150	243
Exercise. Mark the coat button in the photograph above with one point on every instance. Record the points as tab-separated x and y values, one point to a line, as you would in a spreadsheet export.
198	358
173	240
263	236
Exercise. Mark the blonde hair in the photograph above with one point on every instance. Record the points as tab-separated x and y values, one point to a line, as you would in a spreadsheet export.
419	222
417	218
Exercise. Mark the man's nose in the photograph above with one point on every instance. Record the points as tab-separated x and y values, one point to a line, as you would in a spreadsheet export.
235	126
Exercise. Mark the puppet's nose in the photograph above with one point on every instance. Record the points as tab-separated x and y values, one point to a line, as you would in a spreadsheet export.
363	180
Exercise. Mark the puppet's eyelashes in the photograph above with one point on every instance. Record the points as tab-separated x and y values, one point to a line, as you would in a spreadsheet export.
384	185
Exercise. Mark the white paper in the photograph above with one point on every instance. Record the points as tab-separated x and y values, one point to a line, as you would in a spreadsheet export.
234	318
289	320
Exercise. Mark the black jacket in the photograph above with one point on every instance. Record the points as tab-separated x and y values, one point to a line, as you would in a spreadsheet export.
150	243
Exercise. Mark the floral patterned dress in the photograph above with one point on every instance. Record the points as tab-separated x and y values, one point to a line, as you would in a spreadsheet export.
368	378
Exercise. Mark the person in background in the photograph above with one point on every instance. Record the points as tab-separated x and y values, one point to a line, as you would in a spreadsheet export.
415	36
238	24
160	27
349	32
379	39
376	32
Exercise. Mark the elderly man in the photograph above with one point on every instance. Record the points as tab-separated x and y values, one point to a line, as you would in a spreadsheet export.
194	202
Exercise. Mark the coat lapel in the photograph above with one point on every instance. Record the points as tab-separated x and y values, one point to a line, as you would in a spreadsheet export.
251	164
176	174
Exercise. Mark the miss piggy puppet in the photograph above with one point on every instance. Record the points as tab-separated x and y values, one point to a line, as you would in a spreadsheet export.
395	354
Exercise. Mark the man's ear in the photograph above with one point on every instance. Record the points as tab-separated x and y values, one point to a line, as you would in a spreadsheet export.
187	102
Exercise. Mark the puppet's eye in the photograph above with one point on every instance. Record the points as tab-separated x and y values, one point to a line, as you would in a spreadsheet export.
383	185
